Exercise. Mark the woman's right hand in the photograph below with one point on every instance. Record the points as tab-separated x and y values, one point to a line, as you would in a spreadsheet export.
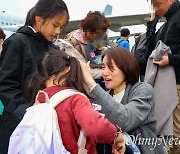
86	70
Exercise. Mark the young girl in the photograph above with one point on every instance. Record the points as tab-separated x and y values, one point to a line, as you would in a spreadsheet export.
43	24
57	71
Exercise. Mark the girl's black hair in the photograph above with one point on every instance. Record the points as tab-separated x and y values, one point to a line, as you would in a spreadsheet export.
46	9
53	63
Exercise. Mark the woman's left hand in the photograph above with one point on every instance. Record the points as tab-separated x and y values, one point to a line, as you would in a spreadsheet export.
119	146
120	150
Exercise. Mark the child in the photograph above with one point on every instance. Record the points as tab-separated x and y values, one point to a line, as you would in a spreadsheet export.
44	22
57	71
2	38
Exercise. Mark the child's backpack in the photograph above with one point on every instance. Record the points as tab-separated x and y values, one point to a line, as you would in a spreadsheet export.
39	132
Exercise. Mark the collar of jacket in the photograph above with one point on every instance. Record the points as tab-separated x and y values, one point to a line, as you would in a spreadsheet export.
120	39
27	30
172	10
128	91
79	35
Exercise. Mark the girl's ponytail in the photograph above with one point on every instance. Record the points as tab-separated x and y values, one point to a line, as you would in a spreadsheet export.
76	79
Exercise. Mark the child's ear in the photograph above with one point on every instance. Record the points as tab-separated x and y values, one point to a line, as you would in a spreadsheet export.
39	20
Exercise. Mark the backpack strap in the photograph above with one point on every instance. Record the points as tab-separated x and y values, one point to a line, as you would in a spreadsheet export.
62	95
82	141
58	98
137	42
46	97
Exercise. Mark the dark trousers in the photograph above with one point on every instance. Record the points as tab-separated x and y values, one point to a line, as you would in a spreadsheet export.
104	148
107	149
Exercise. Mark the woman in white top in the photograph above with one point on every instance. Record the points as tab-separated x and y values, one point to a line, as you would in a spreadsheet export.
130	103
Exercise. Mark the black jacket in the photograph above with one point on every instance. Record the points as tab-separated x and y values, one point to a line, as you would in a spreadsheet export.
170	36
18	61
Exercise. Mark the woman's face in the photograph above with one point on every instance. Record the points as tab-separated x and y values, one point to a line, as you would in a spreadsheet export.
51	28
113	77
91	36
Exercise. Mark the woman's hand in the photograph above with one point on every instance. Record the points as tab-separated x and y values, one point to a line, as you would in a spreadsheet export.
86	70
119	146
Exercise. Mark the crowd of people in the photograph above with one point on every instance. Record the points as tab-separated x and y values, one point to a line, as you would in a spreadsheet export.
108	76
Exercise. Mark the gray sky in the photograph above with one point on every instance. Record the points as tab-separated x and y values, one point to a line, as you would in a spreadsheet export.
120	7
79	8
19	7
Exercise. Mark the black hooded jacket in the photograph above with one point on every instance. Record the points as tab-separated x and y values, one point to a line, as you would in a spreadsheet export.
18	61
170	36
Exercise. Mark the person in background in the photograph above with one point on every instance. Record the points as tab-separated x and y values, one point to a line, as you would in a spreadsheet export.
169	34
123	41
92	27
136	36
2	38
44	22
129	103
57	71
